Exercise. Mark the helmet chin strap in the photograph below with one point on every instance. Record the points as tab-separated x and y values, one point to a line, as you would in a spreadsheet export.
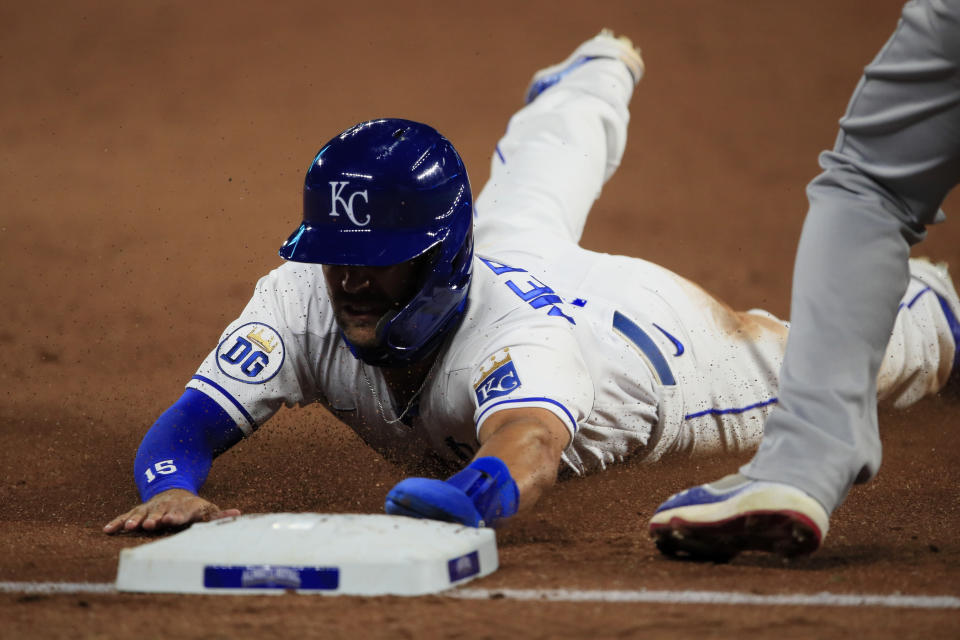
383	323
378	355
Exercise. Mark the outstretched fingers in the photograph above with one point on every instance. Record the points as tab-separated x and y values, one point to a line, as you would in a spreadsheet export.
172	508
121	521
195	509
155	517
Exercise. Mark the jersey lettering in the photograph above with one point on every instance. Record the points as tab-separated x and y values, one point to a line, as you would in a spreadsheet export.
499	268
530	289
536	289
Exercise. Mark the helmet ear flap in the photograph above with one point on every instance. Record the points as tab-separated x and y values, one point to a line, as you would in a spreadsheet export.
422	266
463	261
427	263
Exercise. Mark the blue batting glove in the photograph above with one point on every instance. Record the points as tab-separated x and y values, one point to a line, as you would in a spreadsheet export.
480	495
433	499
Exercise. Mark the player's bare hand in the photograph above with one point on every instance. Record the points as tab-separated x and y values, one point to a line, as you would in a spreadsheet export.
172	508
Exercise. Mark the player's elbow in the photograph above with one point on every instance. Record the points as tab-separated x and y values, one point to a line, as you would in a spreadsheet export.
528	429
548	441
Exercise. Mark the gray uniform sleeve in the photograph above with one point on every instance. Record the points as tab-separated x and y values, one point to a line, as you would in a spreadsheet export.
895	159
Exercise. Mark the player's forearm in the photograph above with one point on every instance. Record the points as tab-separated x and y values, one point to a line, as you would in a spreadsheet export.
531	450
179	448
162	464
517	462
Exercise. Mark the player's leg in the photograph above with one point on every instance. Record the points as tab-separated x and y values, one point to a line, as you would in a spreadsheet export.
924	349
727	375
896	157
559	150
726	413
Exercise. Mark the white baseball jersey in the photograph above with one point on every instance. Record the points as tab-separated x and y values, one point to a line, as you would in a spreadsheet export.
555	350
632	358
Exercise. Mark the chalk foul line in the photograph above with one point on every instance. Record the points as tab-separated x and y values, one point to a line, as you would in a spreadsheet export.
57	587
823	599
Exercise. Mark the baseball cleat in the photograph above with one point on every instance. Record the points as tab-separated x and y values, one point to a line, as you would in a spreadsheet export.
716	521
936	276
604	45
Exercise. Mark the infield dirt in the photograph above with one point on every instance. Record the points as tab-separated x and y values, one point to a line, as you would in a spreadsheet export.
151	161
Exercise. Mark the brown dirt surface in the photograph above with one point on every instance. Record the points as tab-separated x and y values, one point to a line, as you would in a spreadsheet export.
151	158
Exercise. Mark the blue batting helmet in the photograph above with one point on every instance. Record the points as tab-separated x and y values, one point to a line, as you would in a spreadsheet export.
385	192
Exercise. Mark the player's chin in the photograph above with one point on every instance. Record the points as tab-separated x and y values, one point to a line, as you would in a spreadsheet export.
360	331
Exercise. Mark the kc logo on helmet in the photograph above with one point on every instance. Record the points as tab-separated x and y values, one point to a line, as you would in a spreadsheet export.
336	189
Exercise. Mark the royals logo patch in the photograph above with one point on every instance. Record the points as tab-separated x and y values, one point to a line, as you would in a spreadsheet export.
252	353
497	378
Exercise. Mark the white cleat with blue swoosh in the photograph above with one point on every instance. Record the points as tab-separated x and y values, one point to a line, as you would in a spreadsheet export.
604	45
715	521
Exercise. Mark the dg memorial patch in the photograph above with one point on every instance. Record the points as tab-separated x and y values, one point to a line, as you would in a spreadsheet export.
252	353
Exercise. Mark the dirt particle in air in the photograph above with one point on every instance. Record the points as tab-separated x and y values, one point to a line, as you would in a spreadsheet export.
45	355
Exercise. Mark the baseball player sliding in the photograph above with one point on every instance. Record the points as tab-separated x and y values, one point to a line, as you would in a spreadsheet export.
481	332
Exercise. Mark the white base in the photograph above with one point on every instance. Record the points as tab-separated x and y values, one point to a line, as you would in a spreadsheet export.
311	553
